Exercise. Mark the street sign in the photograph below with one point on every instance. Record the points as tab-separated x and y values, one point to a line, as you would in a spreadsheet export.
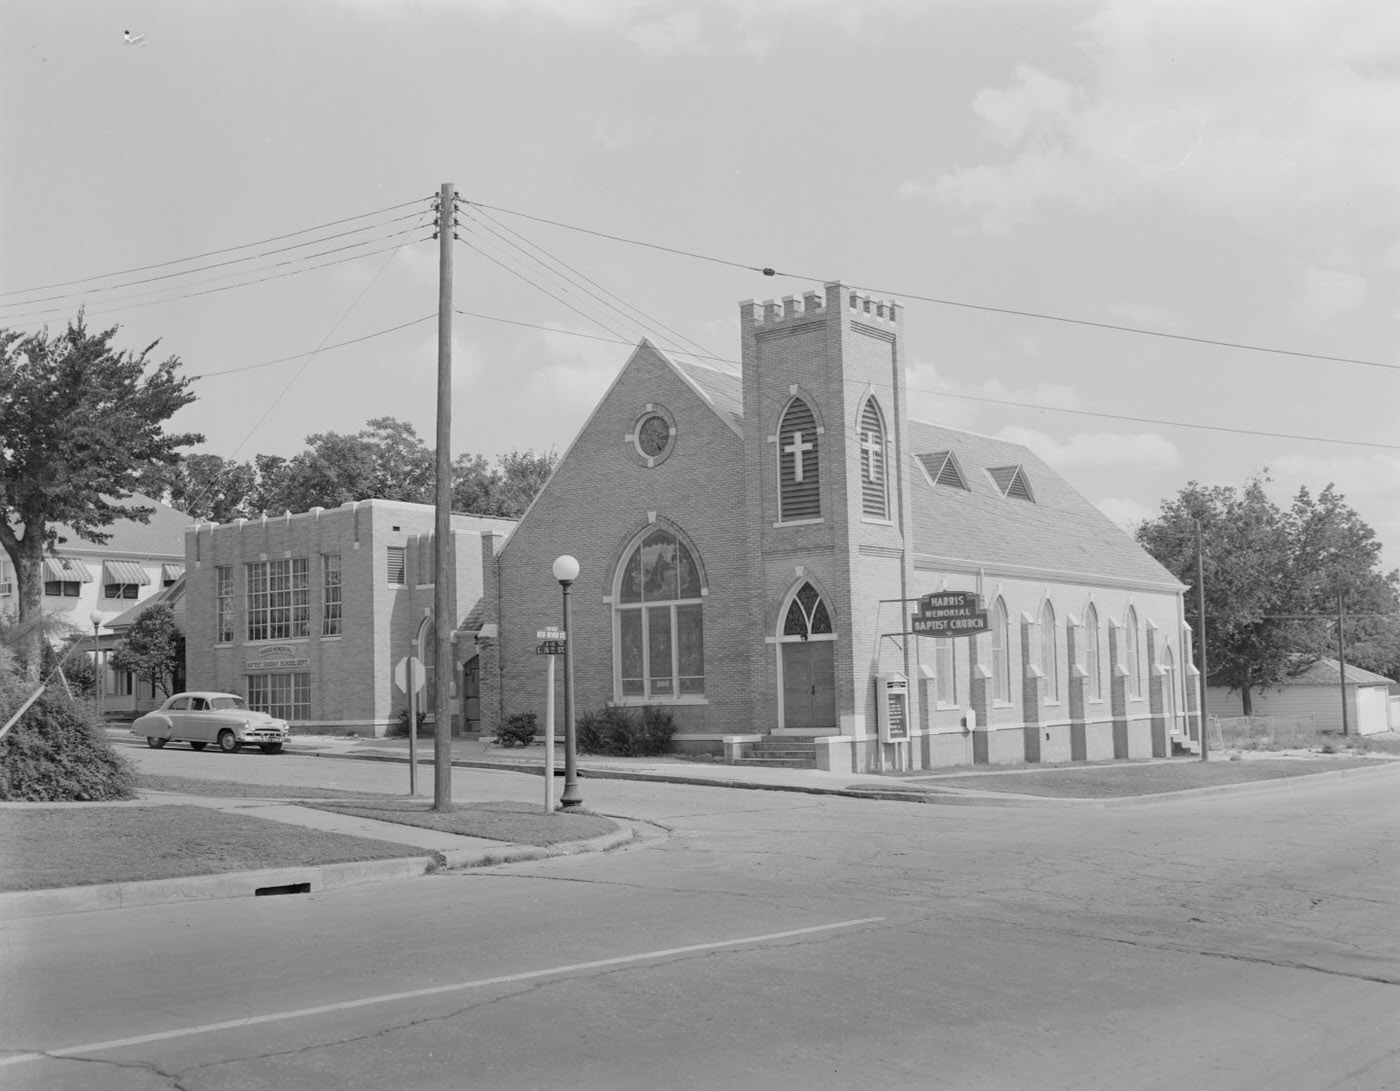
950	613
401	673
550	647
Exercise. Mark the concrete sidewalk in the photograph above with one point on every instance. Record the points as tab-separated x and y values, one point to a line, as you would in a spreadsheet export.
425	851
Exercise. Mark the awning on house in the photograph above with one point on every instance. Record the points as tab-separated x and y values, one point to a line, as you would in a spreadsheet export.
124	572
169	573
65	570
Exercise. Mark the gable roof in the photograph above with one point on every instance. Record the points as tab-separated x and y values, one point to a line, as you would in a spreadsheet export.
163	536
1328	672
1060	532
724	391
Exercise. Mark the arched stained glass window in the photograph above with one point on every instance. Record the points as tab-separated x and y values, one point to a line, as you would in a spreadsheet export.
1048	663
1130	653
1091	654
660	620
807	616
874	490
1001	659
799	485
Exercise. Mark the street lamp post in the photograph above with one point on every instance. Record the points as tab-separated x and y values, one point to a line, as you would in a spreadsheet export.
566	571
97	686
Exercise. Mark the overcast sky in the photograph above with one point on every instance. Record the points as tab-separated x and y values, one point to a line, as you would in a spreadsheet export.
1220	169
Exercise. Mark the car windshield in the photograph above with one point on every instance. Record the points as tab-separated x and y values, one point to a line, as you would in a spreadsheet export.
227	702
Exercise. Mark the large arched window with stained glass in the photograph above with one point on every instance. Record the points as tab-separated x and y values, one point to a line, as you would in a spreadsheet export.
660	627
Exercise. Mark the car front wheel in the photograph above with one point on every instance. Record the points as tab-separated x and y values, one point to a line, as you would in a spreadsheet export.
228	741
271	748
154	743
198	745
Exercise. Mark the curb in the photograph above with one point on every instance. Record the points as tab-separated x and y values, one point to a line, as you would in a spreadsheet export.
24	904
950	797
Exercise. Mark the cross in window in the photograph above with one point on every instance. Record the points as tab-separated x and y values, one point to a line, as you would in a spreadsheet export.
796	449
870	444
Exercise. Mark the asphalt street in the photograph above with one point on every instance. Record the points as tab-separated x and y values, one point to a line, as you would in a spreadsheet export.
762	939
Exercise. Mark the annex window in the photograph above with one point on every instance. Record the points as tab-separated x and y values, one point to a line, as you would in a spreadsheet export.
64	577
1130	654
330	594
279	599
223	604
1048	662
874	489
799	487
286	696
169	573
1001	657
944	679
120	590
395	556
660	634
941	468
1091	654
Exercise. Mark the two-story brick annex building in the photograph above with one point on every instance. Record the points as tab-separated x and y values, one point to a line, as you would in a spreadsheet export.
752	549
307	615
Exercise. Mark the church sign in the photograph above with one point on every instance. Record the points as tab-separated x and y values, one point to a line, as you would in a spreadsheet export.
950	613
278	657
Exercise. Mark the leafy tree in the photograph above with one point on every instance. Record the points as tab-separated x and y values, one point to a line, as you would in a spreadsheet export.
1266	570
205	486
153	649
505	490
81	423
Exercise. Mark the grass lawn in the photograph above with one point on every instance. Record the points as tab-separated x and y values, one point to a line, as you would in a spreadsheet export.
517	823
232	789
1149	778
45	848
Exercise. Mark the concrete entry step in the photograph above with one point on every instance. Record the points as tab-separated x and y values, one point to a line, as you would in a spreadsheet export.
780	752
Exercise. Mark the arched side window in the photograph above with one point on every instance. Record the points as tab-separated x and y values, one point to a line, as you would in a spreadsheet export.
1001	658
1133	661
1048	663
807	615
659	639
1091	654
799	484
874	489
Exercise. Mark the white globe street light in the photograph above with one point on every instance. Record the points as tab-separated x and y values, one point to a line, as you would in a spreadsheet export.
566	571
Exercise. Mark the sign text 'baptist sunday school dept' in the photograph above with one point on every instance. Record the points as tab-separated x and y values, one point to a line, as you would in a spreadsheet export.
949	613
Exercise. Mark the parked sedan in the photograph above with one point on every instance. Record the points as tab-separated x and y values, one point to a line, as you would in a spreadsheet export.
202	718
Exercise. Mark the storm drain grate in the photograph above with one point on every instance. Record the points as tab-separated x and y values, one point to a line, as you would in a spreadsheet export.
289	888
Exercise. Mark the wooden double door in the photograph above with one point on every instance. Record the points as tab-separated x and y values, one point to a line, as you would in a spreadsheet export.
809	685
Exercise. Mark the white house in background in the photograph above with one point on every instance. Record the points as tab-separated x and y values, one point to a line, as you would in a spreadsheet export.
87	585
1316	696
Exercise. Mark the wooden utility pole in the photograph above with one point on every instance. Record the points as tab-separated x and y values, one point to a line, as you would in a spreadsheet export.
1342	658
1201	635
443	568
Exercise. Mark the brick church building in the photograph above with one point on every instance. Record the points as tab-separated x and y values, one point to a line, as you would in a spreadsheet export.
753	550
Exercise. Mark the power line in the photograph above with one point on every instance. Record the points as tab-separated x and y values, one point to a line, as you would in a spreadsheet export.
313	352
221	264
109	306
1138	330
989	401
1151	420
654	322
213	253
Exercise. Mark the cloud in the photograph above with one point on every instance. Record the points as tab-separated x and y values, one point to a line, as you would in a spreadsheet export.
1119	450
675	33
1128	514
1328	294
1279	116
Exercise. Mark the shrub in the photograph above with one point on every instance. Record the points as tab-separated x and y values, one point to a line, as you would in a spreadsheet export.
518	730
58	752
401	725
620	732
